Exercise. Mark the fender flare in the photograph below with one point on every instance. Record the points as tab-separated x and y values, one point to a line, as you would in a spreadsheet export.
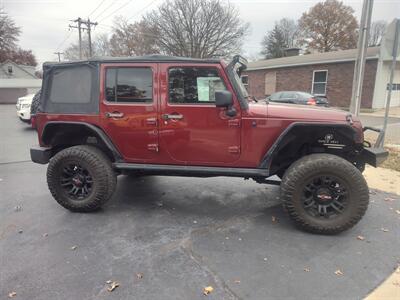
98	132
268	157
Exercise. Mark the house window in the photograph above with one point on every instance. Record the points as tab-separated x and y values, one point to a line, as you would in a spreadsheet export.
10	69
245	80
395	86
320	79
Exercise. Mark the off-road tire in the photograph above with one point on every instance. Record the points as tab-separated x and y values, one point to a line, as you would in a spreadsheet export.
100	168
295	179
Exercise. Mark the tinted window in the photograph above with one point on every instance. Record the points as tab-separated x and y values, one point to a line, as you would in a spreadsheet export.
194	85
129	85
275	96
71	85
288	95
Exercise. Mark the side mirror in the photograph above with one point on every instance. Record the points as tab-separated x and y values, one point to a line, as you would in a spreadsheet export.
223	99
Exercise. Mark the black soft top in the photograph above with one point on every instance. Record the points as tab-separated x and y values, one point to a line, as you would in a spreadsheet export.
146	58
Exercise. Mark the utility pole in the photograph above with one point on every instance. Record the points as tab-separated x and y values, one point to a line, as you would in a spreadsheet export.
395	53
88	26
59	55
359	66
79	27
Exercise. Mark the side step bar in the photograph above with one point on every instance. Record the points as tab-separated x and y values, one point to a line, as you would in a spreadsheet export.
200	171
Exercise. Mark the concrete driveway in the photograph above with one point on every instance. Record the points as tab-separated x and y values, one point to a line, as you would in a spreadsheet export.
181	235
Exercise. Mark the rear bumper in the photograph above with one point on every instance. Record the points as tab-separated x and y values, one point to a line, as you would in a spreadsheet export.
374	156
40	155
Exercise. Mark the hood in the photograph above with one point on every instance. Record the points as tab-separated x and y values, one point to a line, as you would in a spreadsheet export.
27	98
305	112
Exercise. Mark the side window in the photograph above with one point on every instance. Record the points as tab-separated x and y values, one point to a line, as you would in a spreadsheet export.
194	85
71	85
287	95
320	78
275	96
133	85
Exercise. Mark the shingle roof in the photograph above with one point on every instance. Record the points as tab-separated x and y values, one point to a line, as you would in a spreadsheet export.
309	59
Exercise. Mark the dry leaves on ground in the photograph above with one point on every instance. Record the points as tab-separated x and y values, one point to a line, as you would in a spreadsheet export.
237	281
307	270
139	275
274	219
113	286
12	294
208	290
385	229
74	247
339	273
360	237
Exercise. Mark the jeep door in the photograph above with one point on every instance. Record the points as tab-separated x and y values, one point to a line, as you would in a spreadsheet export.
129	108
192	129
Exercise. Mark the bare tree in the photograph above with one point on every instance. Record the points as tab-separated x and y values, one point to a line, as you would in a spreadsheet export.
376	33
9	50
197	28
9	32
290	31
100	47
133	39
329	26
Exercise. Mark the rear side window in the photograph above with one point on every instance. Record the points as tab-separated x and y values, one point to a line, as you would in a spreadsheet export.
71	85
194	85
133	85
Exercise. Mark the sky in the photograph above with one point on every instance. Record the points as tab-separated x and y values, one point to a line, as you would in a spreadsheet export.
44	23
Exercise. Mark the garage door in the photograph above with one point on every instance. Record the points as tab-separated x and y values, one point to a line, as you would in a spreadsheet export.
11	95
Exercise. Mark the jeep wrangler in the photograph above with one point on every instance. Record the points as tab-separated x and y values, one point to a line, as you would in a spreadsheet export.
160	115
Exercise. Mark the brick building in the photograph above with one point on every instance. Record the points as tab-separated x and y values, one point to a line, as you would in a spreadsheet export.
329	74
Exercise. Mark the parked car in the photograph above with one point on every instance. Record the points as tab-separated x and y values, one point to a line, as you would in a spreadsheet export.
24	108
296	97
160	115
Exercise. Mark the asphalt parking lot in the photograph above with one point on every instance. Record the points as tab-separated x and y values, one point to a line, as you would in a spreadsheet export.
180	235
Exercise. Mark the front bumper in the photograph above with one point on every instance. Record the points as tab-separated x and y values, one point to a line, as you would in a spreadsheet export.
41	155
24	114
374	156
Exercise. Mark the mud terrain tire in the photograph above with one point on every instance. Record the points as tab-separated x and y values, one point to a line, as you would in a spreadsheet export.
81	178
324	194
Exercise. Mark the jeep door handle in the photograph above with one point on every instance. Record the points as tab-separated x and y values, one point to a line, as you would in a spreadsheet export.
114	115
172	117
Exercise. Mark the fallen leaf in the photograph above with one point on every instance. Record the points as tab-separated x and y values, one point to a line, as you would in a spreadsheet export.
45	234
389	199
208	290
74	247
20	231
274	219
384	229
227	237
139	275
307	270
12	295
360	237
108	281
237	281
18	208
398	211
339	273
265	259
113	286
194	222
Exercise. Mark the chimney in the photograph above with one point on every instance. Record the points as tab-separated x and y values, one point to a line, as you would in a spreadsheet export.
292	52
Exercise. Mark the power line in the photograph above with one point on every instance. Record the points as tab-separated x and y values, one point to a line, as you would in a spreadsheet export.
141	10
104	10
123	5
66	38
97	7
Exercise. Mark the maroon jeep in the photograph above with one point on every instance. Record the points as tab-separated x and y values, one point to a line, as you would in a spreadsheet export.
159	115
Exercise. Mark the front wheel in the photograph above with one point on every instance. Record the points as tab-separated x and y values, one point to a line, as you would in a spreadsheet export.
324	194
81	178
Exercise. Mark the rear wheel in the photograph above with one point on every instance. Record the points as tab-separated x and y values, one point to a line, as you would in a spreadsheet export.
81	178
324	193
